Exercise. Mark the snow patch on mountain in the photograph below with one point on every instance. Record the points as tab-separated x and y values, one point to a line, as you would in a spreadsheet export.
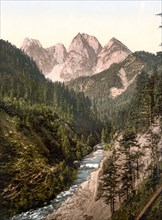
54	75
114	92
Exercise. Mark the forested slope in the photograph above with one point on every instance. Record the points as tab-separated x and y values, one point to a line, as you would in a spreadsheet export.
112	90
133	171
44	127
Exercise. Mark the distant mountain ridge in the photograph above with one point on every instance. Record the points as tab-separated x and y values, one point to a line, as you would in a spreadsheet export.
113	89
85	56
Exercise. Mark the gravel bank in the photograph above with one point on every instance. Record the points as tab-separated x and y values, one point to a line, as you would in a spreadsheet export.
84	205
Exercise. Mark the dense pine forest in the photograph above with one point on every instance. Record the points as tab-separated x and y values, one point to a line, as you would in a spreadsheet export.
133	116
139	117
44	128
143	68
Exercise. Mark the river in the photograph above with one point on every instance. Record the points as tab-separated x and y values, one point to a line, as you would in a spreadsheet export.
87	166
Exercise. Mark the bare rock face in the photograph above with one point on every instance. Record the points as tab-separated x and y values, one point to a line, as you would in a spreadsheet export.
58	53
85	56
34	49
82	55
76	65
113	52
93	42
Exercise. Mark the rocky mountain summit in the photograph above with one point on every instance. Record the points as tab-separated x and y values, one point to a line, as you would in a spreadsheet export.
113	52
47	58
85	56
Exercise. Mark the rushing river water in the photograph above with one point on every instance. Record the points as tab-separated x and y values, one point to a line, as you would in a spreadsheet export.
87	166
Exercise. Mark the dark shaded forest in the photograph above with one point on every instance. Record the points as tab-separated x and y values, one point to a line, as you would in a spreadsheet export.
44	128
144	67
129	115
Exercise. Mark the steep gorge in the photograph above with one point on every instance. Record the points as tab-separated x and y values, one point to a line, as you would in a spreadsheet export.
46	126
44	129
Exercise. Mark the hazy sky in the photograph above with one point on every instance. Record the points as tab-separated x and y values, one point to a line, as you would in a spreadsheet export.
132	22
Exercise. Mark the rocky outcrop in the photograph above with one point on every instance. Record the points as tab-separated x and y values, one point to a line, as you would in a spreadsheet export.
34	49
113	52
85	56
85	203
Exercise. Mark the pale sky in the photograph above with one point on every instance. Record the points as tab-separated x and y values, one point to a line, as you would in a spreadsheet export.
133	22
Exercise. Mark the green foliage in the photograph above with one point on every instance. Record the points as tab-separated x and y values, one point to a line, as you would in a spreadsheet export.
131	108
156	210
131	163
41	129
131	208
109	183
91	140
45	126
105	135
147	102
22	81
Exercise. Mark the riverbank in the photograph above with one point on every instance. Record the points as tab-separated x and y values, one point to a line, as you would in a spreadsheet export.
84	204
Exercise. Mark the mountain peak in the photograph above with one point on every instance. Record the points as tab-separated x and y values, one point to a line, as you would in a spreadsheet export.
59	45
59	53
85	56
113	52
34	49
114	39
115	44
93	42
79	34
28	42
78	37
82	41
77	43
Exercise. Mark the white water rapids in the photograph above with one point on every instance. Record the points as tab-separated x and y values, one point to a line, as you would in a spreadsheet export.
87	166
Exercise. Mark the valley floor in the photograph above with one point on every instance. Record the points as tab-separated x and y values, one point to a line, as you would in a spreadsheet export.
83	205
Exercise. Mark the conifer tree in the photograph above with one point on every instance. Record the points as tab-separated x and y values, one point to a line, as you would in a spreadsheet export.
109	181
131	166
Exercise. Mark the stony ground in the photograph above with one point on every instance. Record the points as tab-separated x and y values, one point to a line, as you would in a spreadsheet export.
84	205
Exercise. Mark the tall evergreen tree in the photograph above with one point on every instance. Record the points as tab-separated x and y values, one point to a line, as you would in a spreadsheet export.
109	181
